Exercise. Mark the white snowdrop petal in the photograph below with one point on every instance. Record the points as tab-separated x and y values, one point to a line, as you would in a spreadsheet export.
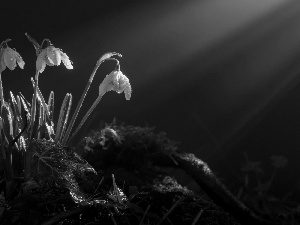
2	63
116	81
40	62
66	61
53	55
107	83
9	58
19	59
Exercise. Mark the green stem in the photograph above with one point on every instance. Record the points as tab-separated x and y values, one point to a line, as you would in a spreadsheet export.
1	93
104	57
87	115
65	139
33	107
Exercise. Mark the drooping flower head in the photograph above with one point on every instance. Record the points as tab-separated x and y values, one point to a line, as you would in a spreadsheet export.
116	81
50	55
9	57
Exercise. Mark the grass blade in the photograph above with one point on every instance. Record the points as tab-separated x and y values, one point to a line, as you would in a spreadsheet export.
51	105
42	100
41	121
169	212
86	116
1	92
7	121
66	118
63	116
16	112
19	103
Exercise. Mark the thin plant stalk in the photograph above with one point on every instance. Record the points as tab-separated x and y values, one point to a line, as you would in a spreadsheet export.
51	106
33	107
65	139
2	104
1	93
63	117
102	59
198	216
66	117
18	103
169	212
40	97
96	102
145	213
40	121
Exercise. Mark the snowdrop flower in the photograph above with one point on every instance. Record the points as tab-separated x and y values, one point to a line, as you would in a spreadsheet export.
116	81
10	58
52	56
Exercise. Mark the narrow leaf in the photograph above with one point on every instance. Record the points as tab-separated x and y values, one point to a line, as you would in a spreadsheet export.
34	42
16	111
1	92
66	117
25	103
96	102
64	110
7	121
41	121
18	103
51	105
42	100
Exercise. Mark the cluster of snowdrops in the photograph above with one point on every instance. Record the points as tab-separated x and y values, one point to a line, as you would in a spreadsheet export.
21	121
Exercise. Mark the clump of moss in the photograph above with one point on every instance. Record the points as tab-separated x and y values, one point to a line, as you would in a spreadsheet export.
133	154
128	146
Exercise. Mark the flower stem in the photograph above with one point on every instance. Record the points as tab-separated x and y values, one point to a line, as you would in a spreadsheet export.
87	115
1	93
101	60
65	139
33	106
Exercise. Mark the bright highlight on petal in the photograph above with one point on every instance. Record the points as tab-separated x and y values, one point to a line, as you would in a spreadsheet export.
10	58
66	61
117	82
52	56
20	61
40	62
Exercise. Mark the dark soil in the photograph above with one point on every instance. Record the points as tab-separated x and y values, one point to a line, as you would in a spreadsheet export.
129	185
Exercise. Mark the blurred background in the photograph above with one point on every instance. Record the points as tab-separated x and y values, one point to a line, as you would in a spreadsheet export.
220	77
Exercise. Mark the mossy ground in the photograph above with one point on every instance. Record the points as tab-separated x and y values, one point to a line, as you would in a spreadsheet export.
150	194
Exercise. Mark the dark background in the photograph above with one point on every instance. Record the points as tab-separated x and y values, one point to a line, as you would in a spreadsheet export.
220	77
